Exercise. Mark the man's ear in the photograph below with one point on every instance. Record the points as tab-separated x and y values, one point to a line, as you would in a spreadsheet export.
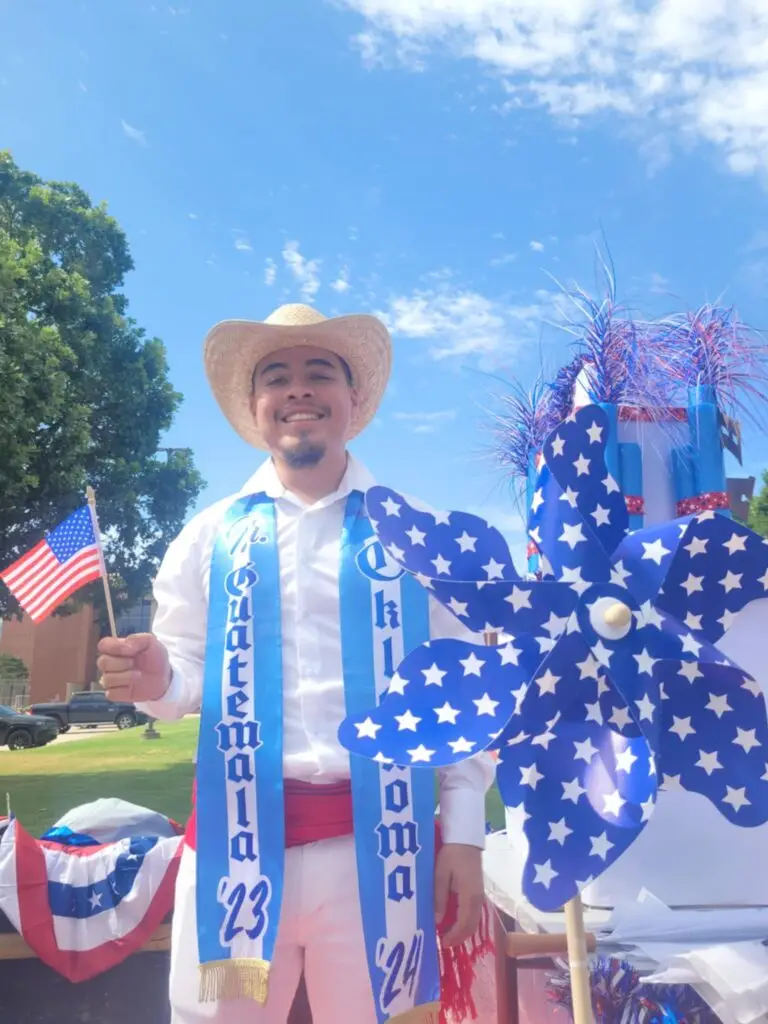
355	401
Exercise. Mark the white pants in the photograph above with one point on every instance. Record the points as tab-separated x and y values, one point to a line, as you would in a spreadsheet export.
320	933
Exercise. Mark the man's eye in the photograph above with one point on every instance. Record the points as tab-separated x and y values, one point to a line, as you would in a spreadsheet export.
321	376
276	382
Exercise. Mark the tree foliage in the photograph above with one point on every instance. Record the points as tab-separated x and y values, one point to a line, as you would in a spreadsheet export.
12	669
758	509
84	393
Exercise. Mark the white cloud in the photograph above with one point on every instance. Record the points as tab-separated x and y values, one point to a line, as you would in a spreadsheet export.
270	272
134	134
536	246
458	321
683	68
192	216
341	284
306	272
242	244
502	261
425	422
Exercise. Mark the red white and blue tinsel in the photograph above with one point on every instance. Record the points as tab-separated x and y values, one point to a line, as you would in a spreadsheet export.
619	996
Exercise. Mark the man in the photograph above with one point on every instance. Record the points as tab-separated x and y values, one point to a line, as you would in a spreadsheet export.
278	612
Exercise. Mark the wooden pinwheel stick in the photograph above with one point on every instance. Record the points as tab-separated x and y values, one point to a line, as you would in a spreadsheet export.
91	495
578	962
576	936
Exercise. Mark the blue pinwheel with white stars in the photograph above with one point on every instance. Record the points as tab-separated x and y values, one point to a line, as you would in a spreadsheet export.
611	684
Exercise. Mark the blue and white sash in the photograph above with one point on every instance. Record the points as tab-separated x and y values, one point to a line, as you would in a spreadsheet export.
240	809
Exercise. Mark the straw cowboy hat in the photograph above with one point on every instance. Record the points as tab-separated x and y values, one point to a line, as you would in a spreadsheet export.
234	348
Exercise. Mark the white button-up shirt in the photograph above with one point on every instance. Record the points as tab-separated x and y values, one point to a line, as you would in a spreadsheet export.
309	539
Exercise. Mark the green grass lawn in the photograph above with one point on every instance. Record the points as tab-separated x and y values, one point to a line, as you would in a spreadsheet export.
45	783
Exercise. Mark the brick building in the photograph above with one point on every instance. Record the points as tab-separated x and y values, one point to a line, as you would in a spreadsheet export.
60	653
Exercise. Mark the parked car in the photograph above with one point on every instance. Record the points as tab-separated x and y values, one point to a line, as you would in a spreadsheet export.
21	731
89	709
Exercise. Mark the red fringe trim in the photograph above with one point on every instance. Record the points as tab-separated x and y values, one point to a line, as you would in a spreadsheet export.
457	973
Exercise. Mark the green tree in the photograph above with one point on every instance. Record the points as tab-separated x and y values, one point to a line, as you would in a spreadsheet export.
84	393
12	669
758	509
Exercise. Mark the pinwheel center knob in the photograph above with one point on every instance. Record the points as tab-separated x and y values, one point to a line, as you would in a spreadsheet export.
610	618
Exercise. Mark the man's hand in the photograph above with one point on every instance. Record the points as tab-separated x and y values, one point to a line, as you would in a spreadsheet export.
134	668
459	869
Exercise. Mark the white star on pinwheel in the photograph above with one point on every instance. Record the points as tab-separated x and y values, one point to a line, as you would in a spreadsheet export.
610	485
397	684
645	662
570	496
621	717
585	751
581	465
397	553
600	846
537	501
574	578
655	551
646	707
557	446
544	873
572	535
472	665
486	706
447	714
697	546
559	831
462	745
367	728
519	598
391	507
731	581
530	776
719	704
442	566
682	727
573	790
407	721
692	584
457	607
547	681
589	668
736	543
433	676
647	808
509	654
709	761
415	536
737	798
602	516
465	542
595	433
612	803
625	759
494	569
421	753
746	739
690	671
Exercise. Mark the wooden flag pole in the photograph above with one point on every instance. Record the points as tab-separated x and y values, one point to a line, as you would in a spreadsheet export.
576	938
91	494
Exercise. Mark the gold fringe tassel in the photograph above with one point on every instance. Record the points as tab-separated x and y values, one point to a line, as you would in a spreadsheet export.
427	1013
234	979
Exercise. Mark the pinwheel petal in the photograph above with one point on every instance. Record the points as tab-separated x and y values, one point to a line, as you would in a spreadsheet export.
514	608
447	701
714	737
719	568
575	454
452	546
643	559
583	797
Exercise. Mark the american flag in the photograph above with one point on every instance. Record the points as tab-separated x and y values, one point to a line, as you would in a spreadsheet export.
591	714
68	558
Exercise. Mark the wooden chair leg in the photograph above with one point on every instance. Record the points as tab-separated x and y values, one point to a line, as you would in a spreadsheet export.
508	1011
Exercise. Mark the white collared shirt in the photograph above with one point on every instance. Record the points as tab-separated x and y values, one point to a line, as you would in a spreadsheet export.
308	540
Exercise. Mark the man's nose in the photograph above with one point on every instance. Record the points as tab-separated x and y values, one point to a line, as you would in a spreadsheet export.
298	391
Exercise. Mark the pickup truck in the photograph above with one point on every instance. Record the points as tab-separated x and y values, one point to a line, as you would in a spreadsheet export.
89	709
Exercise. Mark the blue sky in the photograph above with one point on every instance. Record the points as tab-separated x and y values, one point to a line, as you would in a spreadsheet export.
434	161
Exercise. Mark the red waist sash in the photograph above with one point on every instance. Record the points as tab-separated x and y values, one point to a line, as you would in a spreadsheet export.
312	813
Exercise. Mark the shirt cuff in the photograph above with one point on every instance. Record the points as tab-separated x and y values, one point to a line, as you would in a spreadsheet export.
171	705
462	816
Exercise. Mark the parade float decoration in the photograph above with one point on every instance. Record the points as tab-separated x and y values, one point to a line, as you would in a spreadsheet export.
608	682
